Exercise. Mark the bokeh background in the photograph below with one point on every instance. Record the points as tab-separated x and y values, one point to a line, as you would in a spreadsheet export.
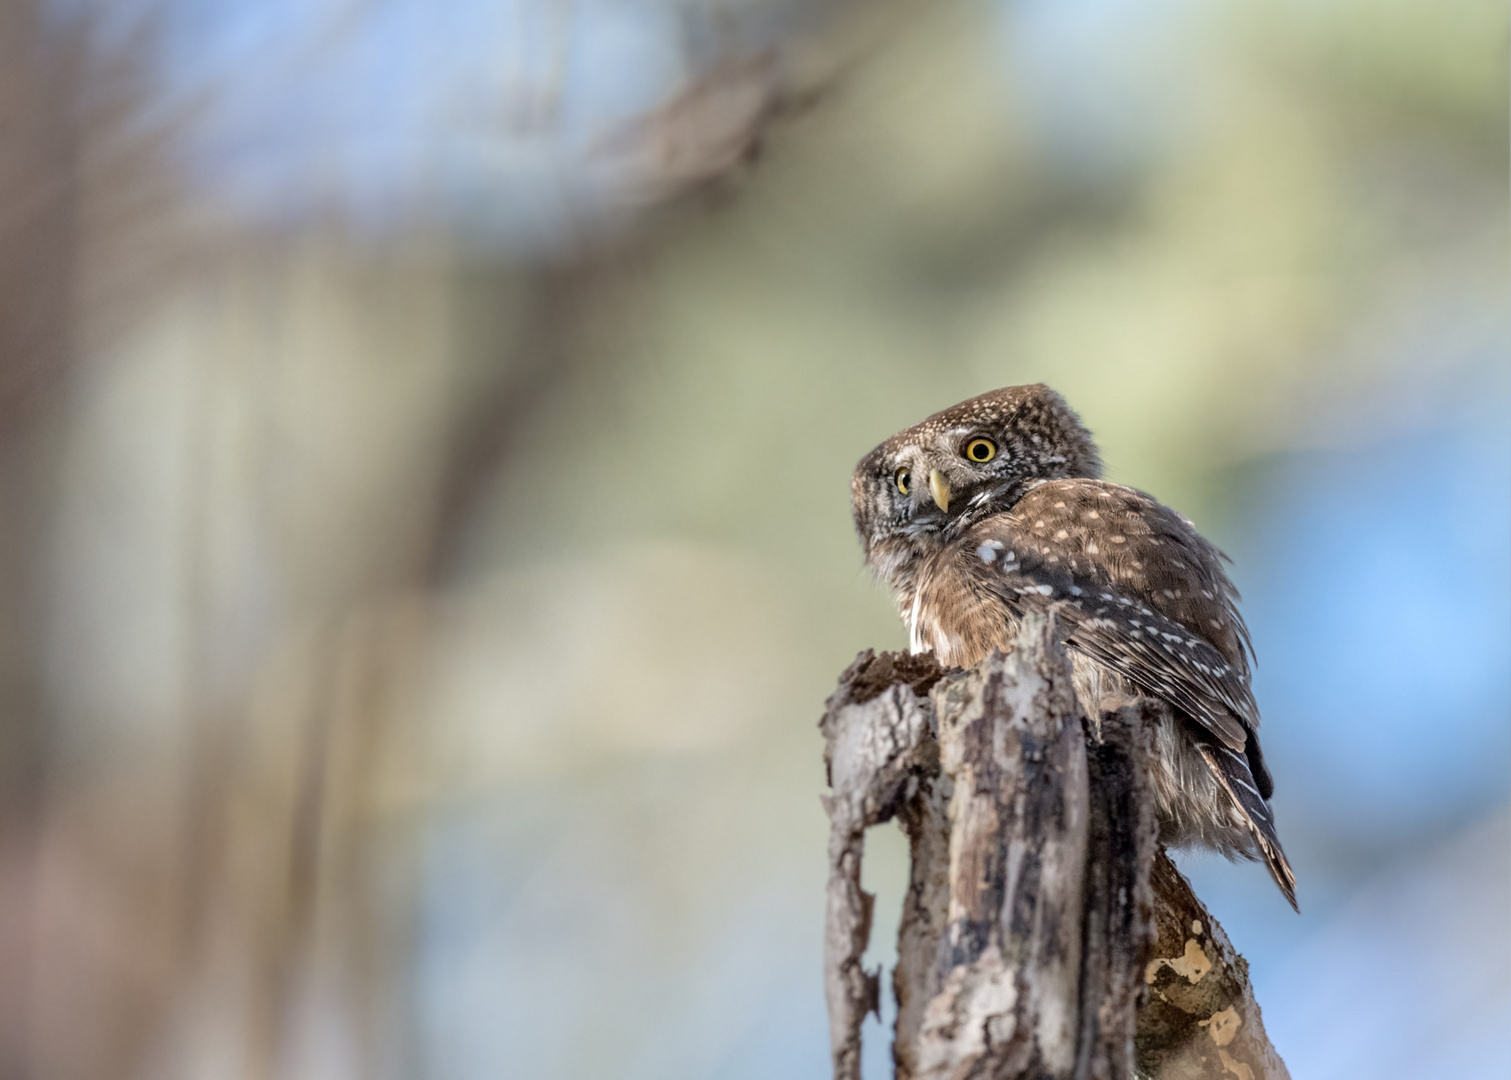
425	434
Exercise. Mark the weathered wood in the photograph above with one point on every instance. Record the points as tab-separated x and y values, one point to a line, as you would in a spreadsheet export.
1200	1019
1042	934
1119	914
877	743
1008	968
925	817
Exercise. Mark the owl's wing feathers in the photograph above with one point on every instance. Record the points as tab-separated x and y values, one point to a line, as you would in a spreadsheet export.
1233	772
1140	591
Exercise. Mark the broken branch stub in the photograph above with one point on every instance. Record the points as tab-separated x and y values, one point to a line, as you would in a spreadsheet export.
1200	1018
1027	945
1004	989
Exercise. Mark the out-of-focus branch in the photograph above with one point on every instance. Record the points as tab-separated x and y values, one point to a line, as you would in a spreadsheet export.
490	424
40	204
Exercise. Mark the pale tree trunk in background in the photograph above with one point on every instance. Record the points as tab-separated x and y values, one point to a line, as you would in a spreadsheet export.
39	270
1043	934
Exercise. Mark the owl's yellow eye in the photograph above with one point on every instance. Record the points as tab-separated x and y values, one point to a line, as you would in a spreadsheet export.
980	450
904	480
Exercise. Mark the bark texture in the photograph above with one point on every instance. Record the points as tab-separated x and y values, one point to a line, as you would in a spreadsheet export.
1200	1018
878	748
1119	916
1003	990
1043	934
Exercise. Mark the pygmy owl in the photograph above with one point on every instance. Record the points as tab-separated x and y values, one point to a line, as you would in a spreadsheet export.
993	509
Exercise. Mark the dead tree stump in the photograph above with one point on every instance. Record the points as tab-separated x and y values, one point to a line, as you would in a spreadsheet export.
1043	933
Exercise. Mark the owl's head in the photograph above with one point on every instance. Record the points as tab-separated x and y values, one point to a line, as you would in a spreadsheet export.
925	486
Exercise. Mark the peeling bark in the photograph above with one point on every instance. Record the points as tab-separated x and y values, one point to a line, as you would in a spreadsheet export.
1008	964
878	745
1200	1019
1042	934
925	910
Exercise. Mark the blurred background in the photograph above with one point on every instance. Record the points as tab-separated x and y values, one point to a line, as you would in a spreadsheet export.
425	437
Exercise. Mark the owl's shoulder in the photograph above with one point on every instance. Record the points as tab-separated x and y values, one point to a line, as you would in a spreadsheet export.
1121	541
1098	501
1095	515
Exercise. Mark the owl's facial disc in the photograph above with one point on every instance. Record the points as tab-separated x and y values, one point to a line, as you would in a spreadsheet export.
927	485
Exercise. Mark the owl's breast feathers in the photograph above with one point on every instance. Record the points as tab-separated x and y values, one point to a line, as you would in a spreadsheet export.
1137	588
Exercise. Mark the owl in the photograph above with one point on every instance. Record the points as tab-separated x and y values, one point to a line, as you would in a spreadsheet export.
994	509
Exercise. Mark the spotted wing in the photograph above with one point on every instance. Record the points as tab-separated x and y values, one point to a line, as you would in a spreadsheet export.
1140	591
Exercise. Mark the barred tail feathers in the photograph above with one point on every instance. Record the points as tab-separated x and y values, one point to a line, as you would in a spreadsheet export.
1232	771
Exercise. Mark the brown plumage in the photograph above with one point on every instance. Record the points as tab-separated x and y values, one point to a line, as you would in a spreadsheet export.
994	508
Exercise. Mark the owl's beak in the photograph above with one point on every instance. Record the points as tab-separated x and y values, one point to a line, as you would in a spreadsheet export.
939	487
